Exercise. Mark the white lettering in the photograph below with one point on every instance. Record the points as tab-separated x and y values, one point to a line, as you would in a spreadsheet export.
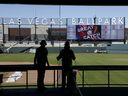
44	21
81	22
52	21
71	21
87	21
74	21
113	21
120	20
36	20
30	20
60	21
106	22
99	21
11	21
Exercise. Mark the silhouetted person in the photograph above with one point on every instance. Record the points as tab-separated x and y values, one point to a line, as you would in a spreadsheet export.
40	61
66	55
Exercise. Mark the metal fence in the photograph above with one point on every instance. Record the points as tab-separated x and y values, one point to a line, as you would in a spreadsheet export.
80	74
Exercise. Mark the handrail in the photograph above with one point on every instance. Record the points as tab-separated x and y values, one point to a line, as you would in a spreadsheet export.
82	68
21	67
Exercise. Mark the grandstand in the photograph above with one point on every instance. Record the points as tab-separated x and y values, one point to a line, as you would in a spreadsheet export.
26	37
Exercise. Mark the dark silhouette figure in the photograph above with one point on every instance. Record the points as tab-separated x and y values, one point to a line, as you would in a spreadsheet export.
67	55
40	61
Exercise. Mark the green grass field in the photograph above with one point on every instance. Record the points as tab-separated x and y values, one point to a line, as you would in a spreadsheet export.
81	58
91	77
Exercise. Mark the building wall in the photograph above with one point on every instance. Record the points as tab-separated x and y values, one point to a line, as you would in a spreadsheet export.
126	33
5	32
57	33
16	34
41	32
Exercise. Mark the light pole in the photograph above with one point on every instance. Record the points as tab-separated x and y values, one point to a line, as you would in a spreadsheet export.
19	31
3	30
94	20
94	24
35	37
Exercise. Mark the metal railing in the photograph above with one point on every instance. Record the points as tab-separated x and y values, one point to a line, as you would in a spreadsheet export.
81	71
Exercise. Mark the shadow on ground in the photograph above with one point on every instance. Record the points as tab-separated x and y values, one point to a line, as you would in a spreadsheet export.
92	91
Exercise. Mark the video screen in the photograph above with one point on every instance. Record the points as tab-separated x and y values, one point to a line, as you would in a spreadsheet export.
90	32
95	32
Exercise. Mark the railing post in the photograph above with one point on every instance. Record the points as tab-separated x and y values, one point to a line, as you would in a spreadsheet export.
54	78
26	78
108	78
83	78
57	79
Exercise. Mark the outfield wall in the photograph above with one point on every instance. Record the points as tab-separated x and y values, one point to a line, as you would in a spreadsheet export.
117	48
56	49
113	48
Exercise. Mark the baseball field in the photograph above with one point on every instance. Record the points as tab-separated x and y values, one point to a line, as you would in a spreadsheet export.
91	77
81	58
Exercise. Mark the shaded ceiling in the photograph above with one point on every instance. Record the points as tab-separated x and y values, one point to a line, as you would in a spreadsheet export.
66	2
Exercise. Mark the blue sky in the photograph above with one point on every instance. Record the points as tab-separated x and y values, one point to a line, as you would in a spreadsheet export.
55	11
18	10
